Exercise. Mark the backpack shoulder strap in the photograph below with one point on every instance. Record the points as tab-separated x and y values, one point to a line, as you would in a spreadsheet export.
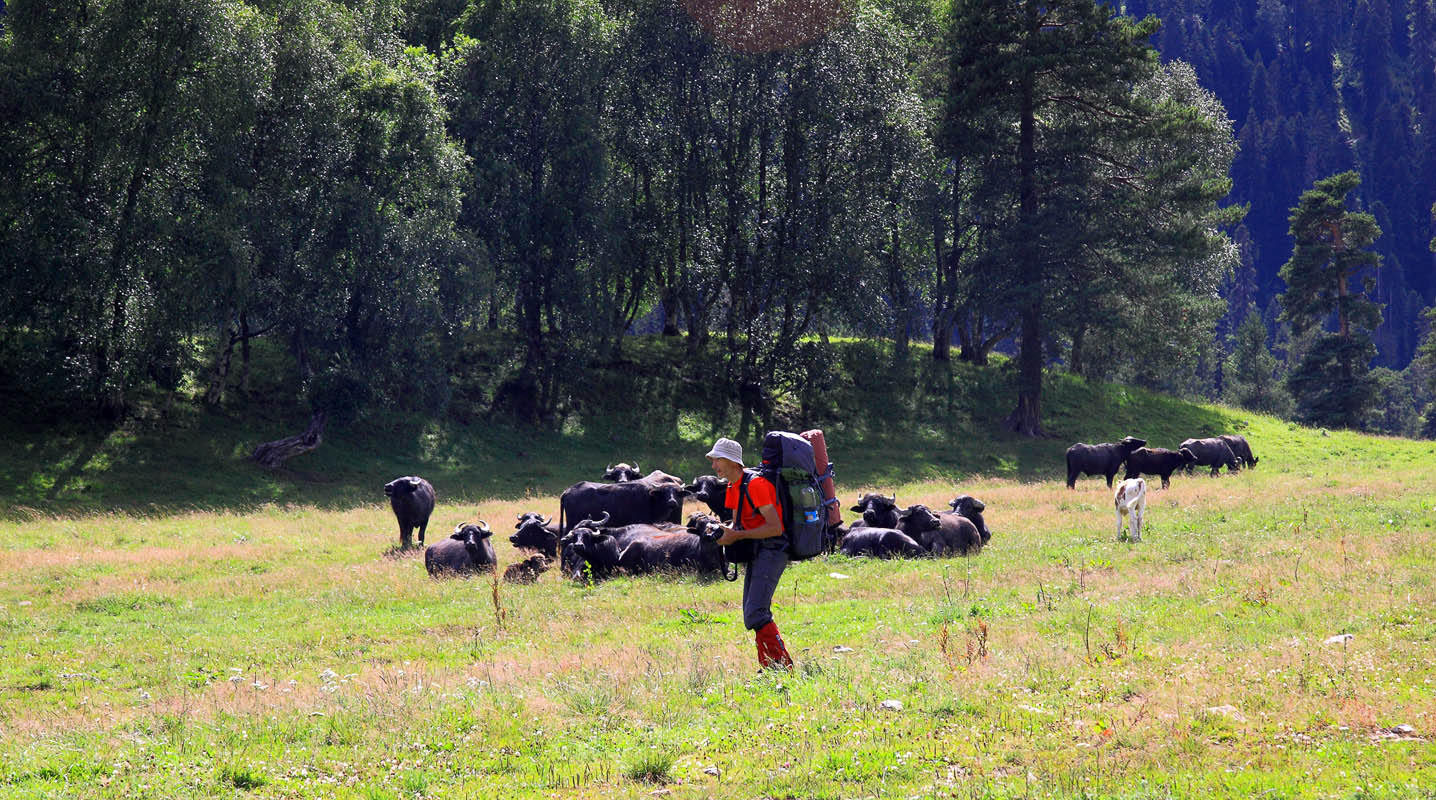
742	497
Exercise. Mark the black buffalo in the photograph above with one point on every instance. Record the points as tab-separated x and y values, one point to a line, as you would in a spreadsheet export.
881	543
412	499
594	547
467	550
692	549
969	507
1211	452
652	498
534	531
1158	461
1240	448
712	491
940	534
878	510
618	473
1099	459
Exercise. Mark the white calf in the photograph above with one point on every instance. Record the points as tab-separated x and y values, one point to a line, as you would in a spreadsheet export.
1131	498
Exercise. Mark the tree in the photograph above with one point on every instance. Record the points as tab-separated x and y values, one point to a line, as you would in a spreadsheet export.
1250	374
1332	385
1078	164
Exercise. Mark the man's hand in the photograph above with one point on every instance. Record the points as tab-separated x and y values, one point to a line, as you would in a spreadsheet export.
729	536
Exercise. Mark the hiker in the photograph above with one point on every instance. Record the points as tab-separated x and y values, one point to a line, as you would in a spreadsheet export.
758	524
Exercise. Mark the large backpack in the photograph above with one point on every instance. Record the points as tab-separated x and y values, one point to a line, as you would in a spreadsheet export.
788	463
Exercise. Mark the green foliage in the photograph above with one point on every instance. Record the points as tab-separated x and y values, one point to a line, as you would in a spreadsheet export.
1332	385
1251	374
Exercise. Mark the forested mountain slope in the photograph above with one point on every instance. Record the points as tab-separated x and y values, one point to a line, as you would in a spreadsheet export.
1316	87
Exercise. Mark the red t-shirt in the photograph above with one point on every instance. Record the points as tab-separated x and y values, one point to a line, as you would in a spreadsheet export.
762	492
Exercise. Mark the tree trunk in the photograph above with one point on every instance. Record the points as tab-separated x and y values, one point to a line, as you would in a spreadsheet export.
1074	363
1026	419
245	336
273	454
219	373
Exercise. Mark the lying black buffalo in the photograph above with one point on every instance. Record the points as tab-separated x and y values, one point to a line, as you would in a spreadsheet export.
940	534
1104	459
965	505
412	499
620	472
466	551
1158	461
656	497
880	543
692	549
534	531
1240	448
878	510
1211	452
712	491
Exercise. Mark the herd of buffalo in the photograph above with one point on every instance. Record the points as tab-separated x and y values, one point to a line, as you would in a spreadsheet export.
631	523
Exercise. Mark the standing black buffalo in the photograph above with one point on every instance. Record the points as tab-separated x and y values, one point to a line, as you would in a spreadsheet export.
878	510
412	499
467	550
652	498
940	534
969	507
1157	461
711	490
1104	459
1211	452
536	532
1240	448
618	473
591	545
881	543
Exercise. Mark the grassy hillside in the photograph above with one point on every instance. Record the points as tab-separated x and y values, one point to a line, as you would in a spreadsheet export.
887	423
204	642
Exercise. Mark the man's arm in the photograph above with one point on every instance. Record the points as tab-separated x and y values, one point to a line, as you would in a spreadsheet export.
772	526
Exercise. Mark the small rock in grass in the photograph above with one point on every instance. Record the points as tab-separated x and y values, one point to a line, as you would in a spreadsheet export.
714	771
1228	711
892	705
842	648
1340	638
840	576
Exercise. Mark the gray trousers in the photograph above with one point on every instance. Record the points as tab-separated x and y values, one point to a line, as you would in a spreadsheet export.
760	581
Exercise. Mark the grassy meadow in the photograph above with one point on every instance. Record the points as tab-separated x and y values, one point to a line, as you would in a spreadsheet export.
284	649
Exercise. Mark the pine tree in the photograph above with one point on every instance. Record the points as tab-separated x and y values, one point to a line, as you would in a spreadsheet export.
1250	371
1332	385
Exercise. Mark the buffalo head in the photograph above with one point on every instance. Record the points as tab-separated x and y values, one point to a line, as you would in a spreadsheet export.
618	473
401	486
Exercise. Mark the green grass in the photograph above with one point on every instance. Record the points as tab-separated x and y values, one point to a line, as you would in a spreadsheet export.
251	635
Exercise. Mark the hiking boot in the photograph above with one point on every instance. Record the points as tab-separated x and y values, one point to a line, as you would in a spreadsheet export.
771	652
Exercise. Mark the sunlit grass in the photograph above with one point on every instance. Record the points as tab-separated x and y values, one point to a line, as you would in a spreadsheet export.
289	651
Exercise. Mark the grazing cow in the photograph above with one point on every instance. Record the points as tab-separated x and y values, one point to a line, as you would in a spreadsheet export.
940	534
528	570
712	490
1131	498
412	499
1240	448
1099	459
467	550
652	498
880	543
878	510
1158	461
691	549
536	532
618	473
965	505
1211	452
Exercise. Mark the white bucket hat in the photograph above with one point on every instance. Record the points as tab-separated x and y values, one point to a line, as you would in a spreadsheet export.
729	449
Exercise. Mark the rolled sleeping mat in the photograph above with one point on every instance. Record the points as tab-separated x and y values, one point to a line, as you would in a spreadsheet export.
824	467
